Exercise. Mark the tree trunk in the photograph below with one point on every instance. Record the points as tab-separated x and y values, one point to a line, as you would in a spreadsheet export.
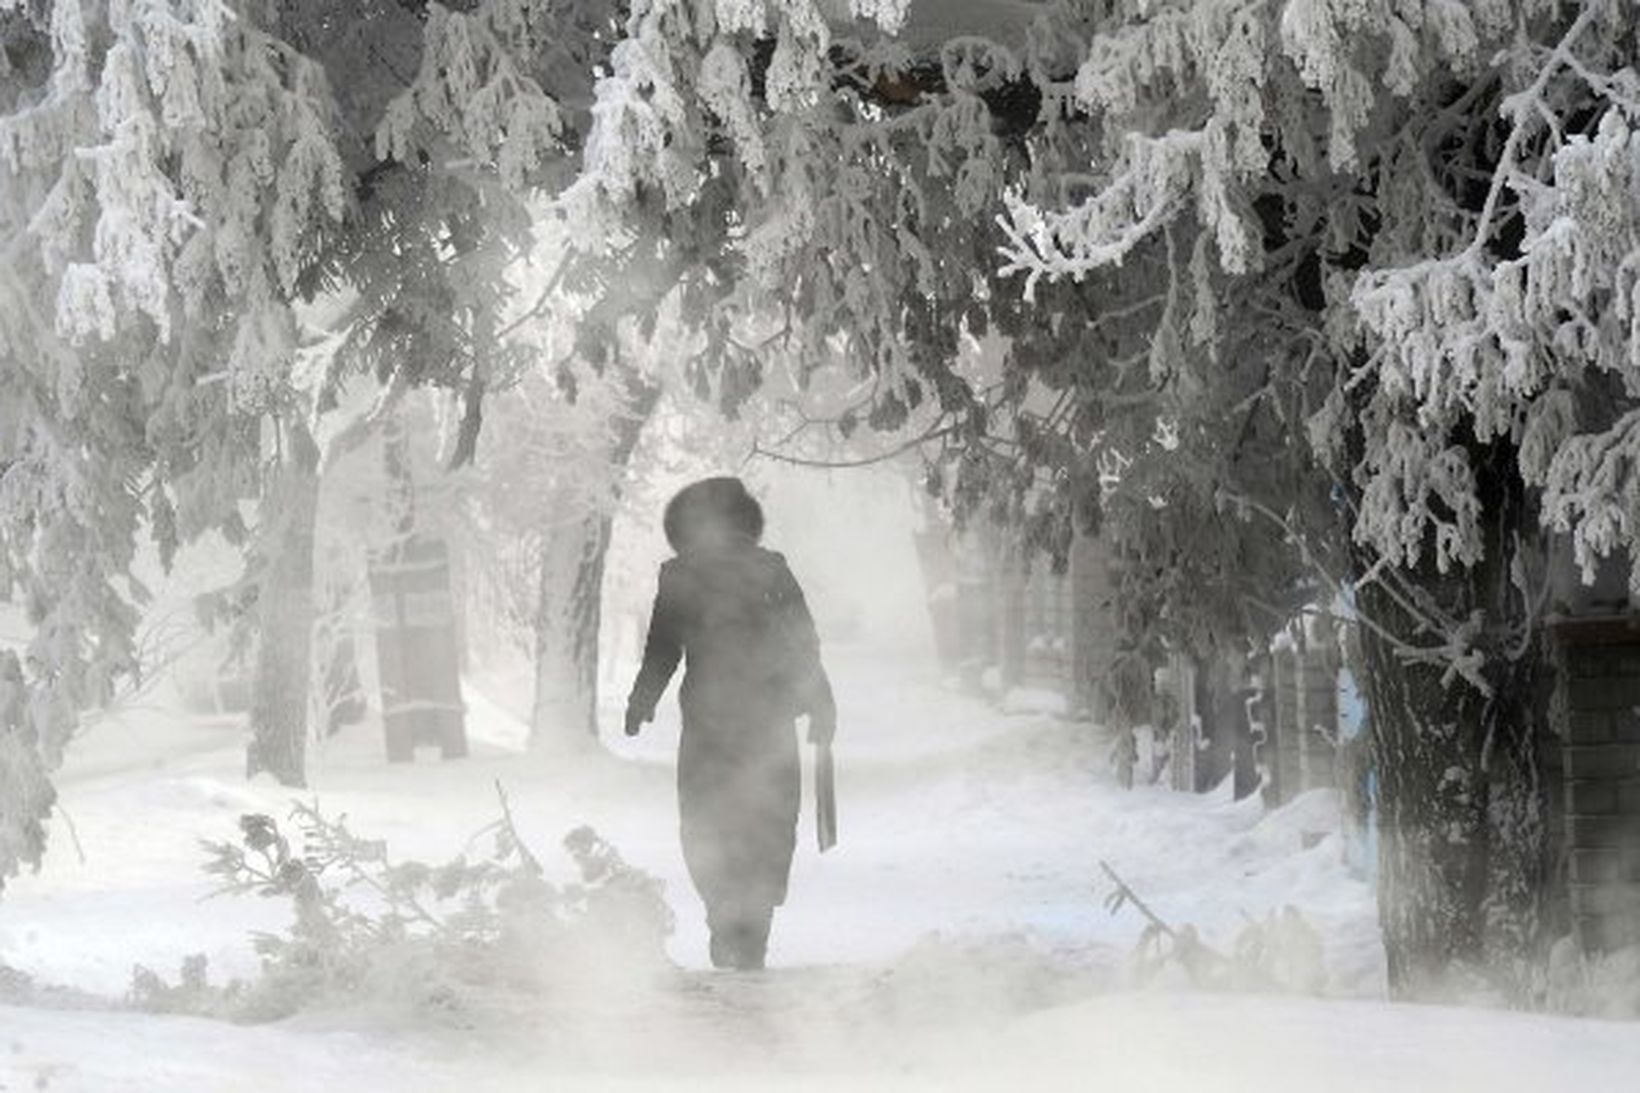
1213	751
26	793
344	699
568	615
1093	646
1013	573
1234	725
569	605
279	695
1462	853
937	564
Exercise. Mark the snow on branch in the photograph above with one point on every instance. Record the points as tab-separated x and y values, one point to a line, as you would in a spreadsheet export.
169	175
1105	229
1203	68
474	90
1498	343
1593	492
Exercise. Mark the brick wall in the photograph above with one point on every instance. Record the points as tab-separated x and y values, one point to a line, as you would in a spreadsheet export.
1599	709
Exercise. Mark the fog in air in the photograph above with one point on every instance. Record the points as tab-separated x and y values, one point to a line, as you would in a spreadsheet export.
819	545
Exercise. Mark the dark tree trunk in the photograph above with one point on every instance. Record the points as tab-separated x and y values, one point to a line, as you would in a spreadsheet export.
1462	848
569	604
1243	763
1218	705
937	564
284	651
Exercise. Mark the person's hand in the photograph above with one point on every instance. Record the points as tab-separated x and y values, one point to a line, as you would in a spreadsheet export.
822	730
635	719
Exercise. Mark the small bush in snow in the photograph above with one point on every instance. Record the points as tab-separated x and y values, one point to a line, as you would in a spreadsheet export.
1281	952
371	928
192	994
1605	985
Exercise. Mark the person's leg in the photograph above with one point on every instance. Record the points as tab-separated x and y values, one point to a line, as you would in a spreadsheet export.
707	851
768	838
739	833
724	945
753	934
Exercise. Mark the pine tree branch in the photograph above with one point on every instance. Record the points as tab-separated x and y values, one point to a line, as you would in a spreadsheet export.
1126	894
933	433
1519	107
357	432
524	852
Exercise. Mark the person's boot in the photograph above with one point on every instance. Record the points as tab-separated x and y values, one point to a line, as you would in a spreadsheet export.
721	948
752	946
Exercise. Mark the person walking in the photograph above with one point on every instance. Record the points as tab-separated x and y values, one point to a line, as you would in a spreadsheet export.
733	611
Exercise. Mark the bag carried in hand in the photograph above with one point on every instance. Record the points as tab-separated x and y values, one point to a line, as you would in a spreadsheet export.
825	797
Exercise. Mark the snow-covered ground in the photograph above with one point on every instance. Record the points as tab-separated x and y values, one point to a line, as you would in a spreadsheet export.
955	939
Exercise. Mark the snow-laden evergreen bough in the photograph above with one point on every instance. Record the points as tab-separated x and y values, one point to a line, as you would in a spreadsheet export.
851	214
752	137
167	172
1208	203
176	177
1452	189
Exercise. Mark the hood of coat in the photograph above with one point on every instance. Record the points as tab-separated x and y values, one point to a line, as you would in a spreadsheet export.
712	516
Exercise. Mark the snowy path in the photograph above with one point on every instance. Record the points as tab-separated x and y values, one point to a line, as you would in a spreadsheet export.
954	819
953	937
1158	1043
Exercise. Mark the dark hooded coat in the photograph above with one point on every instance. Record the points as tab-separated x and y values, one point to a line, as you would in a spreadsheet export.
733	611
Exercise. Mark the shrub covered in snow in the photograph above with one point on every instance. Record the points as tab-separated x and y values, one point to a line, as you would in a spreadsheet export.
369	929
1594	986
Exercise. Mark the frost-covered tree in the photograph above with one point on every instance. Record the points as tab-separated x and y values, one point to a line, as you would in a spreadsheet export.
1434	207
862	162
175	176
755	138
167	174
1348	282
545	501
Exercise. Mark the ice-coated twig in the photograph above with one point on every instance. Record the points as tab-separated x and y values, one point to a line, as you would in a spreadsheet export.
73	832
1516	108
1125	894
524	851
1198	959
